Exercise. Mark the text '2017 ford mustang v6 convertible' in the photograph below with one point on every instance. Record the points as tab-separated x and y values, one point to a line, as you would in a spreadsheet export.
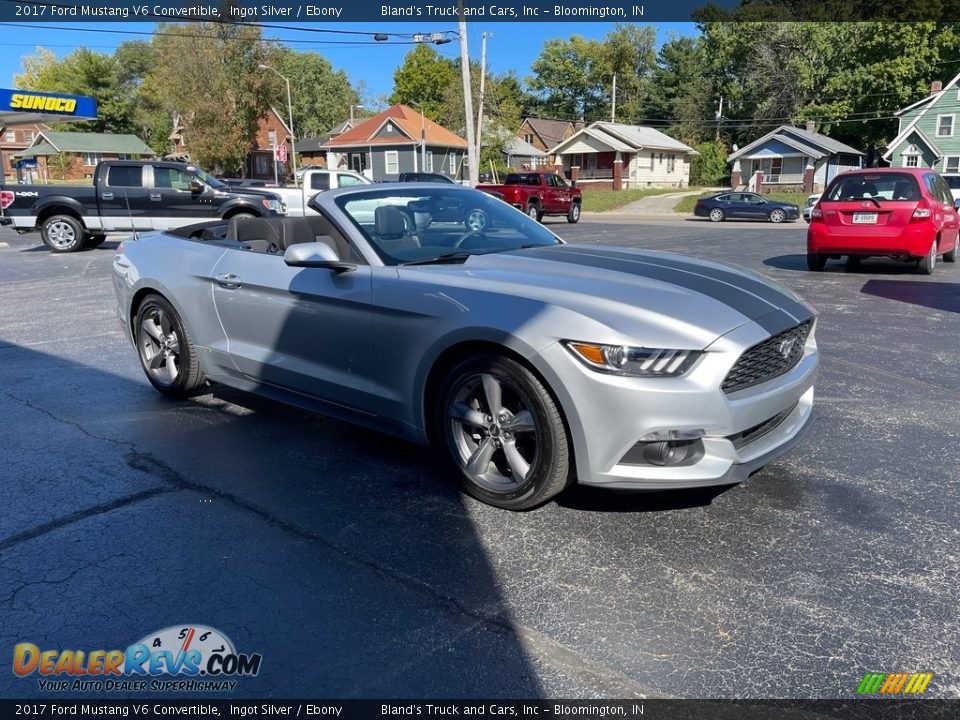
440	313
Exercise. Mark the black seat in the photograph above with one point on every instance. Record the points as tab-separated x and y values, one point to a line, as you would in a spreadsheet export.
257	234
391	226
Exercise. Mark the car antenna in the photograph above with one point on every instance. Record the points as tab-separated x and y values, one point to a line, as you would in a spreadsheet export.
133	227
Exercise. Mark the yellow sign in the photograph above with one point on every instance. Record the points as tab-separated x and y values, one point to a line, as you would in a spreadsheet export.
21	101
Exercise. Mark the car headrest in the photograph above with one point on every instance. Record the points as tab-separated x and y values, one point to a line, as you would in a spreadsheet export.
295	231
389	222
250	229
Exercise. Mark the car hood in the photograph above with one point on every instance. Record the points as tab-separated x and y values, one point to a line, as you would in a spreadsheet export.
650	297
251	192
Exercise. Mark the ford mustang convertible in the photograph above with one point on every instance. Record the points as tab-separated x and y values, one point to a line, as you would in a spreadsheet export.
443	315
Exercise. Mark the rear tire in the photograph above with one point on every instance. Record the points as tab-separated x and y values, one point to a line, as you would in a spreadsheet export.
927	264
853	263
502	431
573	215
533	212
166	350
816	261
952	255
62	233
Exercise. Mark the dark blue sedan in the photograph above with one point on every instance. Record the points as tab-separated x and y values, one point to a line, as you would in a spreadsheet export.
744	205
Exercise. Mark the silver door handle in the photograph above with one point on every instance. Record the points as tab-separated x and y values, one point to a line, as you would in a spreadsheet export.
155	196
107	195
228	280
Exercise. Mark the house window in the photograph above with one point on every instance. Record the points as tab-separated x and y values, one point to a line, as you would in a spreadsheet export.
951	164
28	136
389	127
945	125
910	161
391	162
11	136
428	163
272	137
91	159
453	163
671	162
776	166
528	138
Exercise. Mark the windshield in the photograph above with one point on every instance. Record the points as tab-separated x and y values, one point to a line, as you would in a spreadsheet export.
953	181
879	186
425	225
207	178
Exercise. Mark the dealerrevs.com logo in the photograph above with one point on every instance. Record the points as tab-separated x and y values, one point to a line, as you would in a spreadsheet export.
180	658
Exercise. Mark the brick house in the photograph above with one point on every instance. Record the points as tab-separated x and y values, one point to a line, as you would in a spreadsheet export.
544	135
272	131
14	139
74	155
617	156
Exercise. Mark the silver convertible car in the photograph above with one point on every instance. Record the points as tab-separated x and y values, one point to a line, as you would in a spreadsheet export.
441	314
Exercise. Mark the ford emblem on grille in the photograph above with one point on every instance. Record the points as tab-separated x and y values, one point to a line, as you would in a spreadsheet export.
786	346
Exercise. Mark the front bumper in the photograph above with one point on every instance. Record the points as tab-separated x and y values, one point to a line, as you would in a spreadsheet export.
608	415
6	220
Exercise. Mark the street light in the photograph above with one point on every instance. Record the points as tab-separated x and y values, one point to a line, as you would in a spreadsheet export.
423	138
293	142
358	107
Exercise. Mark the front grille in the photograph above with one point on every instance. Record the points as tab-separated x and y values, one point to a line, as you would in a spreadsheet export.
758	431
768	359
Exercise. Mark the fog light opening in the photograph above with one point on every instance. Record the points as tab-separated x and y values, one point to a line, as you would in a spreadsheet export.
664	453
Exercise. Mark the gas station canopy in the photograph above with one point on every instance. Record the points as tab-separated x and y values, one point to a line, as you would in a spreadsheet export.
26	107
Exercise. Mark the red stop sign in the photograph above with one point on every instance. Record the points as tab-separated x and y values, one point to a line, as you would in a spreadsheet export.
281	153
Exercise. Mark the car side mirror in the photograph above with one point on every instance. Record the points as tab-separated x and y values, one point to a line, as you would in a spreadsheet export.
196	187
316	255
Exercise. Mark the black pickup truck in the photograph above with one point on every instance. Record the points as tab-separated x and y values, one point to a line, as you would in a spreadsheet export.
126	196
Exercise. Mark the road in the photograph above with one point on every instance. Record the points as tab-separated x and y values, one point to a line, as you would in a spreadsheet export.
353	567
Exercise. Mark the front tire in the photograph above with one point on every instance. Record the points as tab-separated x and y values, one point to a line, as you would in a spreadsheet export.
166	350
777	216
816	261
62	233
716	215
929	263
573	214
503	432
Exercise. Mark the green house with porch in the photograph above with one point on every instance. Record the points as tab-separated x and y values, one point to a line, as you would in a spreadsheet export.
928	135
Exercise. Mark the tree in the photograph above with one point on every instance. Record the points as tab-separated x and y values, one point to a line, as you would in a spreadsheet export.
321	96
83	72
215	84
425	78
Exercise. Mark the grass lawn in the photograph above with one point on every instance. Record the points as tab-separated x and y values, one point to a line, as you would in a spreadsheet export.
603	200
686	204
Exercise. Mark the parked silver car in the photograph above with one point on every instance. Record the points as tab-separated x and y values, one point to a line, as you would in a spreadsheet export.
439	313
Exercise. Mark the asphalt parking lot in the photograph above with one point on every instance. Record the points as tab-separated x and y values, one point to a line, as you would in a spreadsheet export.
347	561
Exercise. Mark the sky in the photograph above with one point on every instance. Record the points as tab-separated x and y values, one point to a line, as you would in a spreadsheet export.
512	46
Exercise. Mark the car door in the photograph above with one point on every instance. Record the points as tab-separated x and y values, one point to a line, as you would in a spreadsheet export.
122	197
559	195
307	330
754	206
732	205
172	201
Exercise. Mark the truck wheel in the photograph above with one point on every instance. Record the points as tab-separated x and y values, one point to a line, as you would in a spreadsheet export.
94	240
533	212
573	214
62	233
241	216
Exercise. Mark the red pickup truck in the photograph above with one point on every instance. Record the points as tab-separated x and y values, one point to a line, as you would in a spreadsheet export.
538	194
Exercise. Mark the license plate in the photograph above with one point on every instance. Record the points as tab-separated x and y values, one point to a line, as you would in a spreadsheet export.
865	218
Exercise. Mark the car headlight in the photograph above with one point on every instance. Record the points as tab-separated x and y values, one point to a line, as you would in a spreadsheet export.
633	361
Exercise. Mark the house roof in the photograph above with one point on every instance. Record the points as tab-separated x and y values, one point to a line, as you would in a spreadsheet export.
913	123
921	136
407	121
550	131
815	144
50	142
516	146
316	144
626	138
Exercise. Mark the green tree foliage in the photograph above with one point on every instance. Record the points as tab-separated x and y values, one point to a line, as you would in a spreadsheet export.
83	72
574	78
428	79
680	90
215	84
321	96
710	166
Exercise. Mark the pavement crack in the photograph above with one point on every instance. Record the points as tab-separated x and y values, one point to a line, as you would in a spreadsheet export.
71	423
89	512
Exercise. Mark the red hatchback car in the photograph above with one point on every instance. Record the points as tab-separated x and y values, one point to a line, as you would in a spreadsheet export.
903	213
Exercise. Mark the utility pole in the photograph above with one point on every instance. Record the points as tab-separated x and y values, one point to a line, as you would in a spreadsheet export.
719	118
483	80
613	109
472	153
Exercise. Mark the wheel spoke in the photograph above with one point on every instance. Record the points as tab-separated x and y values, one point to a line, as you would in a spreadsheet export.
174	344
463	413
493	393
156	359
153	329
479	462
518	466
521	422
172	370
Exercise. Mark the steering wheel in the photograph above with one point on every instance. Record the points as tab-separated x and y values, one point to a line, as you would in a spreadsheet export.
473	233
